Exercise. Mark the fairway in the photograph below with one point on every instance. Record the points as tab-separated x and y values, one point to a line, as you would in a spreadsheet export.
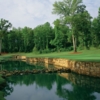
83	55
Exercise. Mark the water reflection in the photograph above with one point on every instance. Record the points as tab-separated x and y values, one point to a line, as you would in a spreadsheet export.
51	86
38	87
84	88
18	65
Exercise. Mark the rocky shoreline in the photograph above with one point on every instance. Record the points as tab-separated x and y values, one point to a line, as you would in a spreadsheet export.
79	67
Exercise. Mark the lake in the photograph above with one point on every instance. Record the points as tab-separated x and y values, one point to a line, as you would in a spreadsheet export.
52	86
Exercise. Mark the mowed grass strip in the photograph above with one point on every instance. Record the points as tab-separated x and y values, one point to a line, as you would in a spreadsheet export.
83	55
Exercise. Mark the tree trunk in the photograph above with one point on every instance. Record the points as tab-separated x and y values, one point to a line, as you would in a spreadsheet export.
74	43
47	44
0	45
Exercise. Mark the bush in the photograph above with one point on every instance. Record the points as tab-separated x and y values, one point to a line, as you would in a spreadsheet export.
53	50
70	48
46	51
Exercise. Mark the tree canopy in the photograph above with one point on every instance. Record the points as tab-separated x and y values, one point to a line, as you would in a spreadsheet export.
75	29
4	28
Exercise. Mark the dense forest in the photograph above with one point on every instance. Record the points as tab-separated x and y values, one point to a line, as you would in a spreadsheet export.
74	30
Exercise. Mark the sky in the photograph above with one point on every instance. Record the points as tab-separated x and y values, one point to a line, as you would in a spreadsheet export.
31	13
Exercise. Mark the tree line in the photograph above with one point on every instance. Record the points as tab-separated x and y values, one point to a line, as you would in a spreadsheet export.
75	29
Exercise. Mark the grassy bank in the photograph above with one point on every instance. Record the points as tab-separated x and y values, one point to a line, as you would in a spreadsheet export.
82	55
6	56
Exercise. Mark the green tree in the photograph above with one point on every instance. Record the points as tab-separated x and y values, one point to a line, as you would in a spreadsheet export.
28	39
96	31
66	9
82	27
48	33
5	25
39	40
21	40
16	40
42	36
60	40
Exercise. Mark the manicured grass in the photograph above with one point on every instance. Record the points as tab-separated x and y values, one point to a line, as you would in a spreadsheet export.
5	56
82	55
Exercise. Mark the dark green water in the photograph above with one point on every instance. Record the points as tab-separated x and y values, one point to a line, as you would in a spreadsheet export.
49	86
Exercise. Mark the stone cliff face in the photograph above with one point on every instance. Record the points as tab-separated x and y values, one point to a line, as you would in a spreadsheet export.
80	67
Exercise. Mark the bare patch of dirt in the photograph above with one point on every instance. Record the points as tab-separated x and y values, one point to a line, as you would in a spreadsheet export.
4	53
75	52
